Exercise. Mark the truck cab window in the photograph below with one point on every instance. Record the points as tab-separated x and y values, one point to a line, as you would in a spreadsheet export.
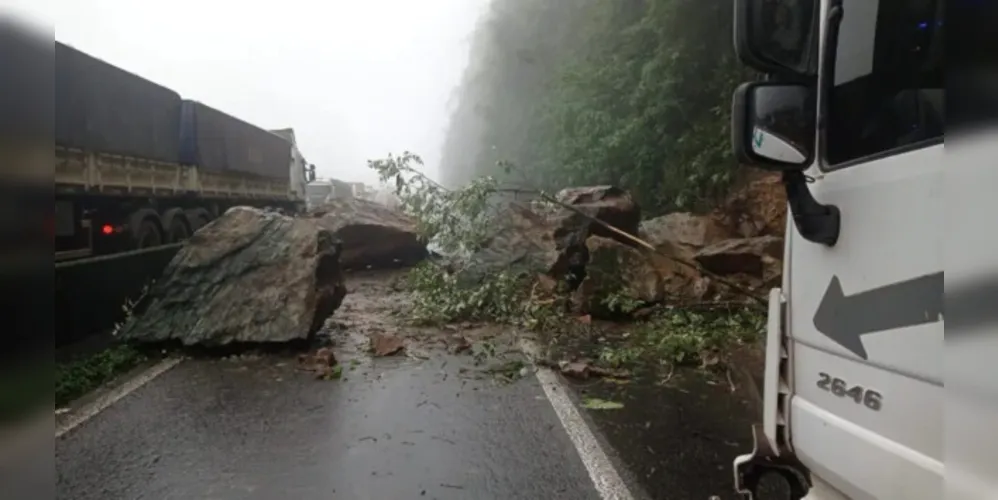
888	91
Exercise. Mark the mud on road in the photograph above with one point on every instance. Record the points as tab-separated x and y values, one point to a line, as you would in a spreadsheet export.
375	306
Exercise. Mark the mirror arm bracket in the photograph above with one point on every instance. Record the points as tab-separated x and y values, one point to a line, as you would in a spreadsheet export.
815	222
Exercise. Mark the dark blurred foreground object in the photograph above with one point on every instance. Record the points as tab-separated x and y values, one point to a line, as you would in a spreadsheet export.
26	117
972	64
26	72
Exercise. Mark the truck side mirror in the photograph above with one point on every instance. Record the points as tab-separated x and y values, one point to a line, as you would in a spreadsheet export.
310	173
778	37
773	125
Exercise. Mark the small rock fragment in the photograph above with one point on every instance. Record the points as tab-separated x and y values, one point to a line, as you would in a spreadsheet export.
386	345
577	370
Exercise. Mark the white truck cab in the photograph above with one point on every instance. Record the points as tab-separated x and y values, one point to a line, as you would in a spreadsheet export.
301	172
851	113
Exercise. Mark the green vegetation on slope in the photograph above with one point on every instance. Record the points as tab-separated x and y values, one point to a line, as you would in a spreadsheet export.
629	92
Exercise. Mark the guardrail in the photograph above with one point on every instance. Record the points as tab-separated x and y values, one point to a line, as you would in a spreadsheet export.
90	293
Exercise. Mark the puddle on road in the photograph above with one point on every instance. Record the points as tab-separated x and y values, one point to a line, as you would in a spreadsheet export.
678	440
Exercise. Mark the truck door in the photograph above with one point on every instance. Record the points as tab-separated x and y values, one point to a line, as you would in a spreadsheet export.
865	315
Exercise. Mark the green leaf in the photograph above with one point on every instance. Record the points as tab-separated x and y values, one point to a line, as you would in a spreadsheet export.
601	404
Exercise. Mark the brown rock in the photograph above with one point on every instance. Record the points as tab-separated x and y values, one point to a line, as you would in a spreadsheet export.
546	238
577	370
248	276
371	233
757	207
324	356
618	279
683	233
459	344
609	204
386	345
741	256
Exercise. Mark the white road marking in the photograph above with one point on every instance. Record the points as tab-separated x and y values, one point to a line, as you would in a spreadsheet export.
102	403
604	475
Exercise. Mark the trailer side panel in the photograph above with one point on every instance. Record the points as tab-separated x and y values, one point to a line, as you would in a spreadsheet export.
100	107
217	142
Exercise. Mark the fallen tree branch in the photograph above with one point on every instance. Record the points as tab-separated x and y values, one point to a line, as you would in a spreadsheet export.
630	237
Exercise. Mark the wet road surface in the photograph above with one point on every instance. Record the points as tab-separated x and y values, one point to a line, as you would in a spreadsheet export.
431	426
260	429
677	439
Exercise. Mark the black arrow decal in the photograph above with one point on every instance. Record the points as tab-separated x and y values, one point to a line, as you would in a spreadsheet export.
905	303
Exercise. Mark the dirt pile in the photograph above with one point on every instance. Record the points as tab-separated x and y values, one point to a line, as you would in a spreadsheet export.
247	277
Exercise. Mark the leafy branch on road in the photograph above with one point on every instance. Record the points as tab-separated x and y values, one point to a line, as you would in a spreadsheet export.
455	220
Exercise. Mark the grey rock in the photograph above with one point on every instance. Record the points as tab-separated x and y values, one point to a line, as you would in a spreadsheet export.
372	234
247	277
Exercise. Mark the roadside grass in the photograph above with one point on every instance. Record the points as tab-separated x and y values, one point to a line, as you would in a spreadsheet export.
655	346
682	338
82	375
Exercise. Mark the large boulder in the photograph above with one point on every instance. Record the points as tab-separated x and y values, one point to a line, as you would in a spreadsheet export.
372	234
248	276
541	237
522	242
682	234
618	278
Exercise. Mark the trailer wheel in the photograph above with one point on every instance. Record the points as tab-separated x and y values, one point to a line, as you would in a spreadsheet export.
175	225
146	228
147	234
197	217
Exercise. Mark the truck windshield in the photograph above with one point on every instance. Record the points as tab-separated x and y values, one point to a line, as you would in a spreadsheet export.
888	92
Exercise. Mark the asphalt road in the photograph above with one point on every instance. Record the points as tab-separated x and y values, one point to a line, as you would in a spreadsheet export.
392	428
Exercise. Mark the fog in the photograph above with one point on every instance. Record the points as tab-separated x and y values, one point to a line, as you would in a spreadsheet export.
355	79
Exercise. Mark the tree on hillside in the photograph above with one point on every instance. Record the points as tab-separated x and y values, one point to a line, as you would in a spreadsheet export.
630	92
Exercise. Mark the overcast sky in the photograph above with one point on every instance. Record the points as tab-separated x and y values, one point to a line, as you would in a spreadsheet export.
356	79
